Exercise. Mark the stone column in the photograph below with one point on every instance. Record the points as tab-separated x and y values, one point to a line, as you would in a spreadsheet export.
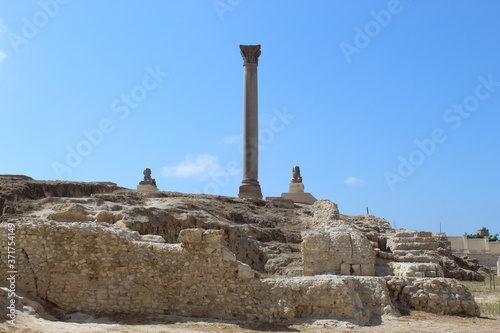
250	187
487	244
498	267
466	243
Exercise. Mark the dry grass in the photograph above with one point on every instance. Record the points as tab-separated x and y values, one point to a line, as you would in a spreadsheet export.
487	299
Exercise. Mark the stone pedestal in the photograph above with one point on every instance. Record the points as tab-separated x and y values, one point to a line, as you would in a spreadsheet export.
147	188
297	194
250	187
250	190
296	188
498	267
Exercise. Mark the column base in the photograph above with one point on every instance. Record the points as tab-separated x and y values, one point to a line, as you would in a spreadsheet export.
251	191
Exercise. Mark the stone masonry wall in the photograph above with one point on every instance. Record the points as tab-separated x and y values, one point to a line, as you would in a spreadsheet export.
97	268
102	268
346	252
438	295
335	247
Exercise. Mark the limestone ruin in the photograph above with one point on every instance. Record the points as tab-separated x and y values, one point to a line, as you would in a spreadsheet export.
101	249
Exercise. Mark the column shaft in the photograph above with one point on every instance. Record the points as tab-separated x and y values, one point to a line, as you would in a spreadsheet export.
250	125
250	187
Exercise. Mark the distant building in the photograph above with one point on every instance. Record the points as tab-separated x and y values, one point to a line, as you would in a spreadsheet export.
483	231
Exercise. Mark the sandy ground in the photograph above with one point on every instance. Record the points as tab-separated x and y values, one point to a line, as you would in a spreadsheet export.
416	322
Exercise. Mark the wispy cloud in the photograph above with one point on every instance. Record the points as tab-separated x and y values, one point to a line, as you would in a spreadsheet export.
354	181
3	31
202	167
3	28
232	139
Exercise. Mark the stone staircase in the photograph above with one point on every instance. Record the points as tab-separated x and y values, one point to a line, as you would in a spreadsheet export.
411	246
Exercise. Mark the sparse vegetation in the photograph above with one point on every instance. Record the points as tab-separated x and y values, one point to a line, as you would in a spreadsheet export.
490	308
487	299
493	238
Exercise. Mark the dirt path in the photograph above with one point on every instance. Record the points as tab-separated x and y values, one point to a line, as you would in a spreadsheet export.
416	322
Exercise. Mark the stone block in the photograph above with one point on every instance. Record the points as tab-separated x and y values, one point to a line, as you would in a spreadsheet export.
345	269
368	269
212	236
152	238
104	217
356	269
325	211
190	236
406	233
296	188
228	255
245	272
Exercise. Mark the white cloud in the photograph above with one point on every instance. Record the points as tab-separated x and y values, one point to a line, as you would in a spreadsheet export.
232	139
201	167
3	29
354	181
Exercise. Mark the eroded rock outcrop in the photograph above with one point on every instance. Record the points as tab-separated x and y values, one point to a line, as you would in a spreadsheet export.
16	188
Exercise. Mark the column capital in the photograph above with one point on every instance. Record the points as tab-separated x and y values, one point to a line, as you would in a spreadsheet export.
250	54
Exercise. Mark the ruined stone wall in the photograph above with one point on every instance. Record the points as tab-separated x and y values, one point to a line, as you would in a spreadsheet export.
98	268
438	295
169	223
102	268
336	247
346	252
486	259
411	269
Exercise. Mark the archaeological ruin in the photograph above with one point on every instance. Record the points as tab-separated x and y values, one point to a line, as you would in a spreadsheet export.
98	248
102	249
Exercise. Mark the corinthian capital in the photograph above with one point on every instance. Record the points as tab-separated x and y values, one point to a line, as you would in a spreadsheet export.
250	54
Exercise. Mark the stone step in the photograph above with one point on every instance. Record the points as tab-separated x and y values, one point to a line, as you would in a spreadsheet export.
415	239
416	256
422	259
409	233
414	252
414	246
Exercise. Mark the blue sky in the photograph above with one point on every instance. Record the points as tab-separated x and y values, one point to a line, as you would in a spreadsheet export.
391	105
